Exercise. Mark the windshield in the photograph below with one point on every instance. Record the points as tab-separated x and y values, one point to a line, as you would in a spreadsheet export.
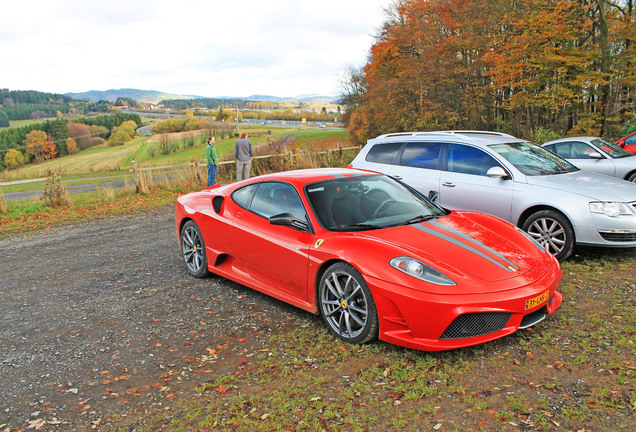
612	150
368	202
533	160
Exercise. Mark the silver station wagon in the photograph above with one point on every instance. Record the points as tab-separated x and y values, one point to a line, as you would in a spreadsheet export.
554	201
596	155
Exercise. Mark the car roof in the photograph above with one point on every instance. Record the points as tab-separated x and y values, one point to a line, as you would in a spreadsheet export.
481	138
588	139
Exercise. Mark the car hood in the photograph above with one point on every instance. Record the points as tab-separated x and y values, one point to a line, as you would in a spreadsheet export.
588	184
466	244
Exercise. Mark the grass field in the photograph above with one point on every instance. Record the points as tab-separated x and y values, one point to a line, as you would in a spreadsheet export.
144	152
20	123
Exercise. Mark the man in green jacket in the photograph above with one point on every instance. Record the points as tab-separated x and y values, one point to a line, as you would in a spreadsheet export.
210	154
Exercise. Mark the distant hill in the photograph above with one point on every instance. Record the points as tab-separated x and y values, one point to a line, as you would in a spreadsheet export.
147	96
154	96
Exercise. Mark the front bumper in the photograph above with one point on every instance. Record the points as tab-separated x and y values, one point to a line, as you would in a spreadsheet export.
435	322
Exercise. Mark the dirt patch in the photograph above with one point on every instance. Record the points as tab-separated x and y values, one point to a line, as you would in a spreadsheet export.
100	318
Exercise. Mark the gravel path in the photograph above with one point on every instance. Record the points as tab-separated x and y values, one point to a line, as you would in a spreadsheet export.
100	320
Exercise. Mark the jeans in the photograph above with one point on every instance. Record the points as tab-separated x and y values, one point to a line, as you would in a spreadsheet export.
211	175
239	169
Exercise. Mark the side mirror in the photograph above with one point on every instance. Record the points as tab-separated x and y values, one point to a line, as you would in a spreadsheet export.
497	172
595	155
287	219
433	196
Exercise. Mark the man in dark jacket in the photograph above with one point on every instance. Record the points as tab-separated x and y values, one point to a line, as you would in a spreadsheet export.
243	152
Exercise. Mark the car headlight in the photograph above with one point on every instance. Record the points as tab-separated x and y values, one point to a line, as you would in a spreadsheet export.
609	208
419	270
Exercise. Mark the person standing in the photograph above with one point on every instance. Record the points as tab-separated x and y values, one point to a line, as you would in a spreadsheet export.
210	155
243	152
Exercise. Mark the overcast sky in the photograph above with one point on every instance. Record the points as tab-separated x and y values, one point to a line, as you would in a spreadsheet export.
191	47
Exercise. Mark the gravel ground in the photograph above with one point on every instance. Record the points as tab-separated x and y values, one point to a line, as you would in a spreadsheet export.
100	321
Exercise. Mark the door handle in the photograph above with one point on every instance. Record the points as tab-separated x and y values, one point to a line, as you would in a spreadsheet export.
238	215
448	184
397	177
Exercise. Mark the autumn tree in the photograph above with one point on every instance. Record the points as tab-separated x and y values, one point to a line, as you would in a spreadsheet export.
34	144
49	150
14	159
511	65
119	137
71	146
81	134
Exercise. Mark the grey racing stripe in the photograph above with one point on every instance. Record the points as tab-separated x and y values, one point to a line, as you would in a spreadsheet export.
456	242
472	240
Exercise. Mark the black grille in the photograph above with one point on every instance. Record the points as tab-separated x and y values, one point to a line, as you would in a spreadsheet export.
533	317
619	237
476	324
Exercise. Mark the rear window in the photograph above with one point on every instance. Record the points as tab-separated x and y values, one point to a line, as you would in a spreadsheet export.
421	155
384	153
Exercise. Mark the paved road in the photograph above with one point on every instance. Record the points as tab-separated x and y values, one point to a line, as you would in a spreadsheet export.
72	189
101	317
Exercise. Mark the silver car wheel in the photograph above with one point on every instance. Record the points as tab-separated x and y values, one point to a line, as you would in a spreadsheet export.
549	233
553	231
193	250
347	305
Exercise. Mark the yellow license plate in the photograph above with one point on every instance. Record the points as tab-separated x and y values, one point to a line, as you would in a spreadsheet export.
536	301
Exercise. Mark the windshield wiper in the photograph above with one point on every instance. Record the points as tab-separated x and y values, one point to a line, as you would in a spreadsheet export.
355	227
420	218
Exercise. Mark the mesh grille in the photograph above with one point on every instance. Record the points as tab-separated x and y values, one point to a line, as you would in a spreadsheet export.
533	318
476	324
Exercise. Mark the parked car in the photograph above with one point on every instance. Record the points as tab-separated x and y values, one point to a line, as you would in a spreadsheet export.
628	142
372	256
596	155
516	180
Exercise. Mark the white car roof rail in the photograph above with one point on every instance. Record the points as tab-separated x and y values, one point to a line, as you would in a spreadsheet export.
468	133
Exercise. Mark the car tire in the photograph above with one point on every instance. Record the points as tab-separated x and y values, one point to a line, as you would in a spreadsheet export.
553	231
193	250
346	304
631	177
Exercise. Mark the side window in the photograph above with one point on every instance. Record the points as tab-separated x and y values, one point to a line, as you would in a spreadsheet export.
421	155
243	196
384	153
275	198
581	150
630	140
561	149
469	160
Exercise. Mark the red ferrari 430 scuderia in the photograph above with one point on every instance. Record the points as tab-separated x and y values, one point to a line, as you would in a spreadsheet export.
374	257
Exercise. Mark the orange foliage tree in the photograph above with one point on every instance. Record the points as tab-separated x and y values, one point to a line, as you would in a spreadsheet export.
48	149
511	65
